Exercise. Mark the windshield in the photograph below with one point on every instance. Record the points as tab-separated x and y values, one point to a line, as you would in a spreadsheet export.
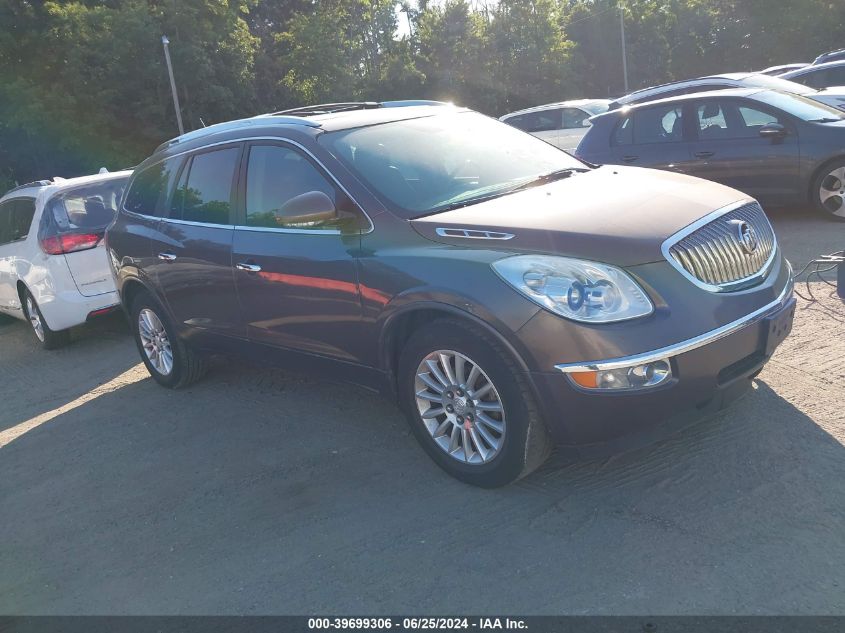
800	107
597	107
426	165
776	83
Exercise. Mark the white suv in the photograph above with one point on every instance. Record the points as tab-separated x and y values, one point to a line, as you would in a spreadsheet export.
54	270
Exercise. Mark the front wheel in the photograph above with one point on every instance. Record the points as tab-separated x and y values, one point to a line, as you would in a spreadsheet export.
829	190
48	338
469	405
168	359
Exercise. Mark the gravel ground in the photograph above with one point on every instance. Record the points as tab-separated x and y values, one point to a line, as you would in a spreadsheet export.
257	491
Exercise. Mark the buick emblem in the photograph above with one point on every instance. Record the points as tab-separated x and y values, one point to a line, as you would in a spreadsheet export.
747	237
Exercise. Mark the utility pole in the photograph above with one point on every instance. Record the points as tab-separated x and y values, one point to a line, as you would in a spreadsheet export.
624	55
165	42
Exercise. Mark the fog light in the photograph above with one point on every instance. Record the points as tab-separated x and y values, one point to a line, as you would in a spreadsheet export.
627	378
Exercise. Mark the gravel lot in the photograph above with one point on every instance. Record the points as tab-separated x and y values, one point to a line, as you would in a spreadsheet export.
257	491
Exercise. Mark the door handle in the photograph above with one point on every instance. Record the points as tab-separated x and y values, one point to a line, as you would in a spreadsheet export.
630	159
167	257
249	268
704	154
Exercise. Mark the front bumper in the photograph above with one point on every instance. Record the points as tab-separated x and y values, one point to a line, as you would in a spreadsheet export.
709	371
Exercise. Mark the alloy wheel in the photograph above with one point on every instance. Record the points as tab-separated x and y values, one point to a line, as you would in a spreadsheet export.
832	192
35	318
155	341
460	407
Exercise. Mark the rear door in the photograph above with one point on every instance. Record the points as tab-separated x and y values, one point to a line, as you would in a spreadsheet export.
729	149
653	137
192	244
9	300
296	273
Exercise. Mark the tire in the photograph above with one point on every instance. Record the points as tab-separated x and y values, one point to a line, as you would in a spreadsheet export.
47	338
171	362
523	443
828	190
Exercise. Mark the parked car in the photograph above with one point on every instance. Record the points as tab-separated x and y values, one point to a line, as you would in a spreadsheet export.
774	71
561	124
775	146
53	268
509	295
819	76
832	56
831	96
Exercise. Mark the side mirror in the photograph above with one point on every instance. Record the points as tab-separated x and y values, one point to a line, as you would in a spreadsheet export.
773	131
311	207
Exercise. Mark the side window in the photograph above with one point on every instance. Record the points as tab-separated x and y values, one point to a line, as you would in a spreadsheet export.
542	121
575	118
712	124
752	119
286	190
836	76
149	186
624	132
819	79
5	221
20	221
205	188
659	124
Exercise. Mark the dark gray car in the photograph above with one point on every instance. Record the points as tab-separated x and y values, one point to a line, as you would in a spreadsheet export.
509	296
777	147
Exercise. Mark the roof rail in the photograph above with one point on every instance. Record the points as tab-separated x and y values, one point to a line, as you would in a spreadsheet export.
36	183
227	126
328	108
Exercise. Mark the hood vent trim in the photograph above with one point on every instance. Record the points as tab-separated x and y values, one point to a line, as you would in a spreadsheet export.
474	234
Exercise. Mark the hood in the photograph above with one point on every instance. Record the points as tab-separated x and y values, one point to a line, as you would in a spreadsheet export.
616	215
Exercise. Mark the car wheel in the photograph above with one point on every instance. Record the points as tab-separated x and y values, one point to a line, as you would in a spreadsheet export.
469	405
829	190
46	337
169	360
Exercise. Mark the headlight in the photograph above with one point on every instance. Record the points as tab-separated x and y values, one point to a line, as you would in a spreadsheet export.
576	289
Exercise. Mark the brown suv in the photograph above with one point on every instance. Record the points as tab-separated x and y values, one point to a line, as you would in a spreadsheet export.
510	296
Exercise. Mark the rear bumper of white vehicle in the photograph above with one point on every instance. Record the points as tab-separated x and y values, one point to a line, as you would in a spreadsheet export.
68	309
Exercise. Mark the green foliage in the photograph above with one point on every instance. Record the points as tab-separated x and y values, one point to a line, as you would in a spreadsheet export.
83	83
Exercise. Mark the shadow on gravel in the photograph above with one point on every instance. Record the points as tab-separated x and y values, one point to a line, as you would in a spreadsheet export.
259	492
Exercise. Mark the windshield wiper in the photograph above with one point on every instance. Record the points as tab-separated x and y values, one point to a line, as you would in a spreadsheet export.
542	179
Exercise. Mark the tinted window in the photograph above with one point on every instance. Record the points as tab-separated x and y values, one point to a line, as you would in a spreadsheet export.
659	124
542	121
285	190
573	117
753	119
624	132
149	186
5	221
20	220
712	123
205	189
91	207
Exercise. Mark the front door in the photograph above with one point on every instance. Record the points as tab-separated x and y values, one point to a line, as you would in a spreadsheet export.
192	246
729	149
295	270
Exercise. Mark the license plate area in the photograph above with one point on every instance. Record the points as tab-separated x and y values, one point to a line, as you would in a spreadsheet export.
776	327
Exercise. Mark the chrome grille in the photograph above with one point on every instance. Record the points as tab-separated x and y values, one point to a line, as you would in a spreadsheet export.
715	255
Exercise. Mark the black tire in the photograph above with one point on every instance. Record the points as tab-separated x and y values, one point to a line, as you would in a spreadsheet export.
526	443
188	366
47	338
823	177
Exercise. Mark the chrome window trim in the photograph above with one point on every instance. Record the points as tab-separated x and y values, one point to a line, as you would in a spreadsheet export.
270	229
685	346
277	139
732	286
